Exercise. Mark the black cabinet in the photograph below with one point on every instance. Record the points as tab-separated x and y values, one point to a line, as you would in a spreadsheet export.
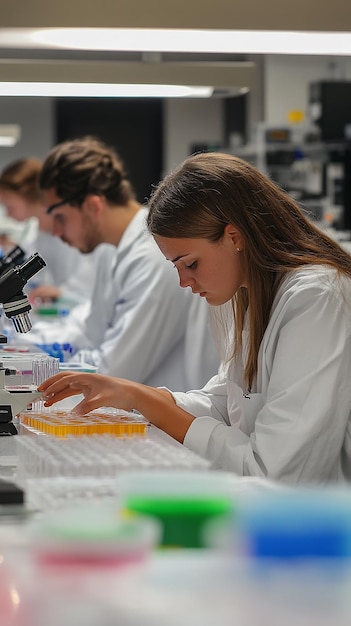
330	109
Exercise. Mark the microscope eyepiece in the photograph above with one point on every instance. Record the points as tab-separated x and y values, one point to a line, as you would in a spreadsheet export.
15	302
30	267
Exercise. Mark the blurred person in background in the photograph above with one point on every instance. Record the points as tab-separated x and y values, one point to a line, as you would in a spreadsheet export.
68	274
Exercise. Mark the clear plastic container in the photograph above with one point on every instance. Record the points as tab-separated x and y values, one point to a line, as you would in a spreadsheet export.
184	502
91	536
55	471
77	561
27	369
291	553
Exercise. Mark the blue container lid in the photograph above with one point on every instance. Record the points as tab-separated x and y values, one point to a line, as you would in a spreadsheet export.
298	525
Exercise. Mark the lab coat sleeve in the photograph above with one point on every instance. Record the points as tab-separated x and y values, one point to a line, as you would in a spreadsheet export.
300	426
64	330
210	400
149	319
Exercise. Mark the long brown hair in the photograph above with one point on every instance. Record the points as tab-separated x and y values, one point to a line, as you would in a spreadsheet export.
210	190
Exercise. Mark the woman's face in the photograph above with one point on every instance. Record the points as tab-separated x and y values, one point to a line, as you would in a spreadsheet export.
215	271
16	206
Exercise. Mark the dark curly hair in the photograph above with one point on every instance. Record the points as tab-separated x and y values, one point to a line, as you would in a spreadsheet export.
79	167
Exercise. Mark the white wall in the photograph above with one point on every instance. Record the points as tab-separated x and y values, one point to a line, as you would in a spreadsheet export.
190	121
35	116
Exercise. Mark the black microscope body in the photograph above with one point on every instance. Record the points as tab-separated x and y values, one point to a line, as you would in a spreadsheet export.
16	306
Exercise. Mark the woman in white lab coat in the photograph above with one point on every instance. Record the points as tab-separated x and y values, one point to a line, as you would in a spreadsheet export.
280	406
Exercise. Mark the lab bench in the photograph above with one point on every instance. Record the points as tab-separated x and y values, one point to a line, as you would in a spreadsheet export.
42	585
154	592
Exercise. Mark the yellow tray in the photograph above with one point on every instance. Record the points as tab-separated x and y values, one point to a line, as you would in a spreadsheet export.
64	423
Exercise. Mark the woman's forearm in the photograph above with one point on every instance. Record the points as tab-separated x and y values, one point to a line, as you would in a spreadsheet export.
157	405
157	408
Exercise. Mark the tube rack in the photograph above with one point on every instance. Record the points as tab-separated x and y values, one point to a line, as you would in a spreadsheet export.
64	423
27	369
55	472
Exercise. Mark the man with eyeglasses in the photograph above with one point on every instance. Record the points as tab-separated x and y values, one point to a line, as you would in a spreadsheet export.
139	322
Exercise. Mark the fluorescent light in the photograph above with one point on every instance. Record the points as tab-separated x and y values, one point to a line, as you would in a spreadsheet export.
103	90
207	41
7	142
9	134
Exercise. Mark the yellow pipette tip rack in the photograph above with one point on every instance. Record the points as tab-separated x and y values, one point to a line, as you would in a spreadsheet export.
66	423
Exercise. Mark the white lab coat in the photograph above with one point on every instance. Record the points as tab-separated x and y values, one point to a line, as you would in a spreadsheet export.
295	426
138	323
66	267
201	351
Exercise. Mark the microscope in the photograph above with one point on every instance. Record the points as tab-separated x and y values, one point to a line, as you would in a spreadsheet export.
16	256
16	307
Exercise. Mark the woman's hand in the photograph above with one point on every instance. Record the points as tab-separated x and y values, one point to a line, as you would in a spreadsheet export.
97	390
157	405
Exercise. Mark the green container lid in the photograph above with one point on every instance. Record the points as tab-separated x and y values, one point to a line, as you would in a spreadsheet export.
49	311
182	518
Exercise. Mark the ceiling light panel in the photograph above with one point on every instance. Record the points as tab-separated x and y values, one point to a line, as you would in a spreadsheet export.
177	40
96	90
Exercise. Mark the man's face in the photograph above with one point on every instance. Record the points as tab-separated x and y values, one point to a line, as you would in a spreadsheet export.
77	226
